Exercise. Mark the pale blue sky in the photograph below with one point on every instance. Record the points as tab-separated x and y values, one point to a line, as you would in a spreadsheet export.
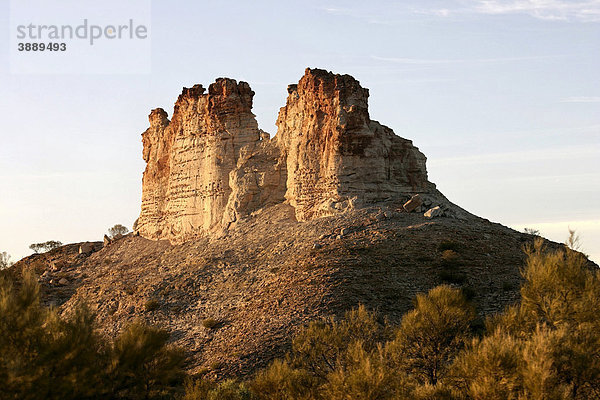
502	96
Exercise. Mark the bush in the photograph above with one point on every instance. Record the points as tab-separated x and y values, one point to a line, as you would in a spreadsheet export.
432	334
321	347
227	390
151	305
364	376
531	231
4	260
141	363
210	323
452	276
541	347
117	230
490	368
279	381
449	256
45	355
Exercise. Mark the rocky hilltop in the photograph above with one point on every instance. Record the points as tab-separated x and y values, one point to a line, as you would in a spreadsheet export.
267	234
211	165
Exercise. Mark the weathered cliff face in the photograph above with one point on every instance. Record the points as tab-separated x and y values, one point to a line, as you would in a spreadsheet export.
186	182
336	156
211	165
259	180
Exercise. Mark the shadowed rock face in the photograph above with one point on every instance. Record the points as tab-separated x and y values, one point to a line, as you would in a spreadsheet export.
211	165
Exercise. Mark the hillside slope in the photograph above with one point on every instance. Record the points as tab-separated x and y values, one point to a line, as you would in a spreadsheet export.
271	275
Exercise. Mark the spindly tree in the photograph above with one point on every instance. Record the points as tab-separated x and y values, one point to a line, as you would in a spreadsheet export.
4	260
45	246
117	230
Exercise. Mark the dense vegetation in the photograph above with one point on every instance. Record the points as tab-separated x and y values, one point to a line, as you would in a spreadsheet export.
545	347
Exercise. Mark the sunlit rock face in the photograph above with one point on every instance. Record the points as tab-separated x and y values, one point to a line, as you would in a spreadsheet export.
210	165
336	156
186	183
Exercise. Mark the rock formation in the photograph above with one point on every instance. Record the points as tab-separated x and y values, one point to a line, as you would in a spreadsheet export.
211	165
336	156
186	183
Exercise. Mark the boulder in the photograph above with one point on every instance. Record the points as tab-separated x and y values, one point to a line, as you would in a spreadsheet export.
434	212
86	248
413	204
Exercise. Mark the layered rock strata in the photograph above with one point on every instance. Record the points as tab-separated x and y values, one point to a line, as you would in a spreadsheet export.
211	165
336	156
185	187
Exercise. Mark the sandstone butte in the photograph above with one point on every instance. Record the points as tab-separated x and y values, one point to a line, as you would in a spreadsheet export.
267	234
211	165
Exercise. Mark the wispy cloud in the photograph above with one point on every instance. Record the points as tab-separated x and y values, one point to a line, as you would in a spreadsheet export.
524	156
425	61
358	14
581	99
550	10
558	10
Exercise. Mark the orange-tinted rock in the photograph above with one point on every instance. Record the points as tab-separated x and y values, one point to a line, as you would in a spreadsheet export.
336	156
186	182
211	165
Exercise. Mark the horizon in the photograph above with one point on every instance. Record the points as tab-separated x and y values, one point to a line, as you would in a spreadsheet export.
502	97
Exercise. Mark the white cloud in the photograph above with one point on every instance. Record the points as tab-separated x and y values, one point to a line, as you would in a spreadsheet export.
581	99
550	10
543	9
424	61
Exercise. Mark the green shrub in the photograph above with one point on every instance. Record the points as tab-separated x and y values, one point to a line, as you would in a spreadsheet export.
142	364
452	276
321	346
490	368
449	256
541	347
432	334
279	381
363	376
42	354
45	355
227	390
151	305
210	323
